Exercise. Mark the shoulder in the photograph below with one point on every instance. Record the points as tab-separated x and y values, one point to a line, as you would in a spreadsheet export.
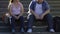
10	5
33	2
45	2
20	4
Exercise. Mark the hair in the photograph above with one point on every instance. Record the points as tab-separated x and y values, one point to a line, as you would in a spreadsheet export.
11	1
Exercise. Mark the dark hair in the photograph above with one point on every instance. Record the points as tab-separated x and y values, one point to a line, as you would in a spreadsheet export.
11	1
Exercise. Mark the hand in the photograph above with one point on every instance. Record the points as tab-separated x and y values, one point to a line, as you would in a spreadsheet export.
37	17
16	17
41	17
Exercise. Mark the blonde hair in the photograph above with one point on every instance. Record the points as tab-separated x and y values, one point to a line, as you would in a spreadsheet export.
11	1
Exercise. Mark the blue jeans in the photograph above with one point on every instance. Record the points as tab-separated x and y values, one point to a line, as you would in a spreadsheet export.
21	24
47	17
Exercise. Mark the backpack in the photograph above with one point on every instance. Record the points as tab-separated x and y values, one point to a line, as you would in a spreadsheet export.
57	23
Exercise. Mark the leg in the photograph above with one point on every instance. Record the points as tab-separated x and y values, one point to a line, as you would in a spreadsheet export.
21	24
49	19
30	22
13	24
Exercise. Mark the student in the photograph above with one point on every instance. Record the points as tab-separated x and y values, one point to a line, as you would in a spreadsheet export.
16	11
40	9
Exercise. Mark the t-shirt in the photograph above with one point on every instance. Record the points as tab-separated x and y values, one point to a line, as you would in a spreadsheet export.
15	10
38	9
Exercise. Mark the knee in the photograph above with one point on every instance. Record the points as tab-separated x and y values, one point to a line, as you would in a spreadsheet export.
31	16
49	16
21	17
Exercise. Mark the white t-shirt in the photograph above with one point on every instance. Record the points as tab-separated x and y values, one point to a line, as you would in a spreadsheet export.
38	9
33	0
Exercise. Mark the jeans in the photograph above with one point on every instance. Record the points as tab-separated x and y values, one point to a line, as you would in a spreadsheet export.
47	17
21	24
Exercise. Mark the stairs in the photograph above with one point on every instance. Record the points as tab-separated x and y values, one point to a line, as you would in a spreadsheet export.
54	4
37	29
31	33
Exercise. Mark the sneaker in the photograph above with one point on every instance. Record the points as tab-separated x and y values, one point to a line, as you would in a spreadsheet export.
52	30
13	30
22	30
29	30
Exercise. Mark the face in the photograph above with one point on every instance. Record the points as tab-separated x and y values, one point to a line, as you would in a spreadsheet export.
16	0
39	0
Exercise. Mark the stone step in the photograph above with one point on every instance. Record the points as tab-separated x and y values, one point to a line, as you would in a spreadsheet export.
3	9
27	2
9	0
55	14
7	28
30	33
53	2
4	0
40	29
35	29
6	23
50	2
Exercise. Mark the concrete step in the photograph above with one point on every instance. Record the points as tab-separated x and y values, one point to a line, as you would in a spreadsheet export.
35	29
30	33
4	0
55	14
40	29
20	0
3	9
53	2
50	2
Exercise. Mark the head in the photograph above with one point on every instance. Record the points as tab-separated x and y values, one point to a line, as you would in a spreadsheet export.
40	1
14	1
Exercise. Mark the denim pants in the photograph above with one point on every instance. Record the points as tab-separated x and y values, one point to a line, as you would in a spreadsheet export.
21	24
47	17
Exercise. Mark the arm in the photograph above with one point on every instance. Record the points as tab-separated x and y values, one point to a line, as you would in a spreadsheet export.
10	11
31	8
47	10
47	7
34	13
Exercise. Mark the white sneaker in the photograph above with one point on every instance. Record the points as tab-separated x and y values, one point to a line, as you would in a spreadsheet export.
29	30
52	30
13	30
22	30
